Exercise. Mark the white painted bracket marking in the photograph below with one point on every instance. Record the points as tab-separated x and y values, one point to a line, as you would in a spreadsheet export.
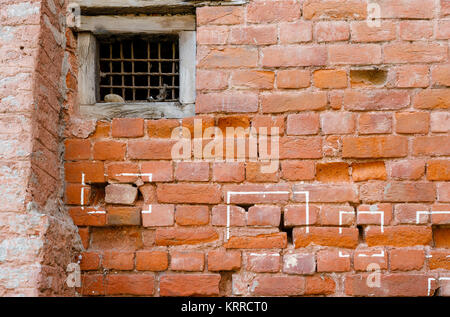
343	255
149	211
376	255
423	212
149	175
439	279
341	212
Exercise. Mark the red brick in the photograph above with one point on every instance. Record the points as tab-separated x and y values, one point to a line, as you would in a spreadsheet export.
115	172
368	170
130	284
102	130
302	124
295	32
123	216
330	78
354	54
375	123
255	172
300	148
439	260
431	145
148	192
299	263
332	9
109	150
376	100
187	215
161	128
319	285
189	285
440	122
189	193
229	172
257	198
407	213
293	101
114	260
329	216
409	192
365	257
212	35
326	236
337	122
443	192
330	193
211	79
441	237
252	79
414	52
94	172
192	171
90	261
219	260
238	216
152	260
407	169
391	285
264	216
77	149
273	124
374	147
92	284
432	99
127	127
263	262
228	57
77	194
160	215
271	285
262	241
187	261
154	149
406	259
179	236
333	172
416	30
123	194
332	261
295	215
441	75
293	78
293	56
161	171
399	236
273	11
332	31
438	170
236	102
411	76
253	35
364	218
84	236
220	15
440	218
443	32
362	32
412	122
297	170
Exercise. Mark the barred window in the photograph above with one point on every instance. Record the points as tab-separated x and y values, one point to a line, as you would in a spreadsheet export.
139	68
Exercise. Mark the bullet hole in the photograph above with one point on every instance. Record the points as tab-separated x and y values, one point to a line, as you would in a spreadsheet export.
367	77
21	47
288	230
361	235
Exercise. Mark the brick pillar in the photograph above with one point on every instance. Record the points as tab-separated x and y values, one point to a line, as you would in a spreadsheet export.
37	237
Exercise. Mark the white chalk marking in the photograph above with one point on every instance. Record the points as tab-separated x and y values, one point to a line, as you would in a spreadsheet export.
343	255
422	212
149	211
149	175
341	212
439	279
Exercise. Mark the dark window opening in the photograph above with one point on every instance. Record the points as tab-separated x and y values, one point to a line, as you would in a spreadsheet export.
144	69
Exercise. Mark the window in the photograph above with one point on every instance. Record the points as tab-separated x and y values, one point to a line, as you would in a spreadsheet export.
149	61
140	68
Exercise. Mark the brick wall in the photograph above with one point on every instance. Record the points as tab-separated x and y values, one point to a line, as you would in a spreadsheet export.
363	116
37	236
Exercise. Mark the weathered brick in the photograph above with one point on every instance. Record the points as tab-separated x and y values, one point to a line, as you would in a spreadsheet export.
431	145
127	127
375	100
123	216
295	32
414	53
187	261
374	147
267	285
330	78
332	261
406	259
355	54
130	284
263	262
399	236
332	31
332	9
297	170
262	215
333	172
299	263
253	35
188	215
123	194
227	15
189	285
412	122
219	260
432	99
77	149
369	170
160	215
262	241
151	260
374	123
295	215
292	56
189	193
326	236
293	78
117	260
179	236
365	257
233	172
407	169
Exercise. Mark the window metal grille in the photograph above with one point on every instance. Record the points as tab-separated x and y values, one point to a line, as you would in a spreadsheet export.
140	68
